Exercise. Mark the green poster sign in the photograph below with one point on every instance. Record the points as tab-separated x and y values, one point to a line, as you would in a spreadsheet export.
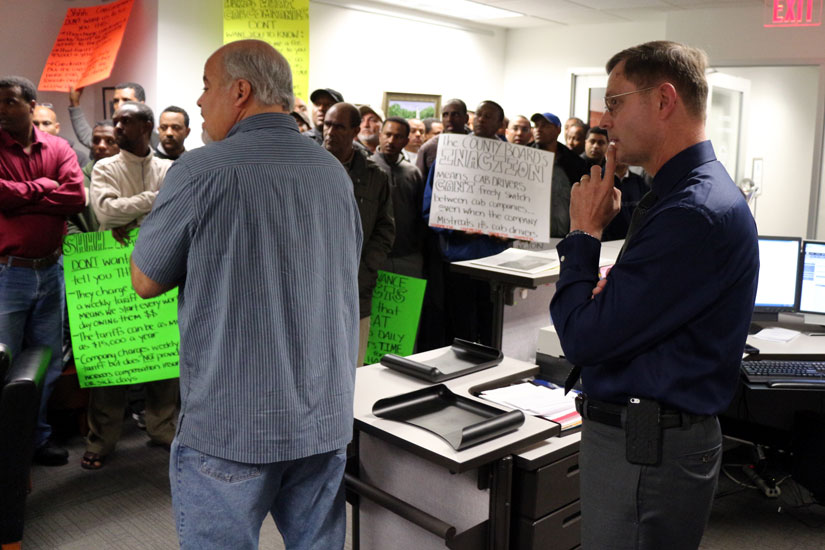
117	337
396	309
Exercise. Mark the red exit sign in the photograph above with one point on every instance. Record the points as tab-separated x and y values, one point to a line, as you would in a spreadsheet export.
793	13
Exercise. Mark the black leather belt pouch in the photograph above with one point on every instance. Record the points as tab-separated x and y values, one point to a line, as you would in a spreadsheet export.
643	434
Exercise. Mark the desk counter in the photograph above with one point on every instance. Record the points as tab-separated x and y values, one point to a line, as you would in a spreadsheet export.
470	493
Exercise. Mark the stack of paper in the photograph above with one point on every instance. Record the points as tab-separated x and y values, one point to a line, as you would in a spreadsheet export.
522	261
776	334
538	400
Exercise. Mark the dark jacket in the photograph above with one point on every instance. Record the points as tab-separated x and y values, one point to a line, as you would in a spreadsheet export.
316	134
372	193
407	190
574	167
85	220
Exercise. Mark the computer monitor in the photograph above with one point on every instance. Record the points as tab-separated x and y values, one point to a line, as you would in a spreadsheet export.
778	276
812	283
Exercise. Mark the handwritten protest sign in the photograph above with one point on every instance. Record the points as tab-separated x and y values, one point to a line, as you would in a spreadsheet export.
86	47
117	337
493	187
396	309
284	24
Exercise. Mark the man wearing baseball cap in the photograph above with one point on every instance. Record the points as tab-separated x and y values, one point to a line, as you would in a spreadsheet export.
568	169
372	118
322	99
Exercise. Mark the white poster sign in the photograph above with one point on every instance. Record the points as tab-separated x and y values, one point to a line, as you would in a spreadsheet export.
492	187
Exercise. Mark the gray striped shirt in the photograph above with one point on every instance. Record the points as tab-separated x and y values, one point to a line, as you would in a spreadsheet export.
261	233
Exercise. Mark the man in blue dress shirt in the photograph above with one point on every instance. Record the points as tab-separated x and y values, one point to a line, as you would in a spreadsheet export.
260	233
659	340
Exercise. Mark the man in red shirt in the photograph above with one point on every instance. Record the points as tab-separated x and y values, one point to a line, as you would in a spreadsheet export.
40	184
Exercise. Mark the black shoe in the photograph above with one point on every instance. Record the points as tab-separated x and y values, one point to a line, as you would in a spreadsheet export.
49	454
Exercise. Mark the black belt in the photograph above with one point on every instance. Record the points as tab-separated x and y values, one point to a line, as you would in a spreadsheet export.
31	263
614	415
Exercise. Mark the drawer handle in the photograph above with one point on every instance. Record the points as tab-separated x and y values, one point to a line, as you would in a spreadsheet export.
573	518
573	470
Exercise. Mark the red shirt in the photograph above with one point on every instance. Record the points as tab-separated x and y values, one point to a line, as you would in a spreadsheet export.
33	208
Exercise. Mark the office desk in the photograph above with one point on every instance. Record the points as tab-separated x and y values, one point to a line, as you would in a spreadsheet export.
503	281
803	345
761	414
415	492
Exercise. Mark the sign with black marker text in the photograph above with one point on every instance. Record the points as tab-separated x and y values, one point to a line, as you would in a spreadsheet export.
490	186
117	337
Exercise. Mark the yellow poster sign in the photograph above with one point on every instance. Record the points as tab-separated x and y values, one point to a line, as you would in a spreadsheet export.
282	23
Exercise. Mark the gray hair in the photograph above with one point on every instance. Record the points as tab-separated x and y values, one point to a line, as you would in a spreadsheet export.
266	70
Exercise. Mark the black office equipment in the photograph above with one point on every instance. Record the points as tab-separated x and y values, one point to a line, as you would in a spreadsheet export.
462	358
786	371
778	273
20	389
811	297
460	421
809	452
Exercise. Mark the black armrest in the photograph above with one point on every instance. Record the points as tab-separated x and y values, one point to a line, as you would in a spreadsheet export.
5	360
19	404
30	365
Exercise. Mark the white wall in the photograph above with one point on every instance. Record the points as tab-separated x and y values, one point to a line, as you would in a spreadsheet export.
539	60
450	62
779	128
188	32
363	55
28	30
736	36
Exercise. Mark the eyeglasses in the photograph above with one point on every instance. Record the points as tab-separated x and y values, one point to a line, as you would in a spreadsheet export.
610	101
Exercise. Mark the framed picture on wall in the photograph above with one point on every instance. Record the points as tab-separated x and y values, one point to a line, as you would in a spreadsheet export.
408	106
108	98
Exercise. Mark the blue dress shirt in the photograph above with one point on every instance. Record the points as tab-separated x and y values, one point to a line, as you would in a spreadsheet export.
672	321
261	232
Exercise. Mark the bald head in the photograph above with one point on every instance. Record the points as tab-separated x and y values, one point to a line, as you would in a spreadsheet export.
454	116
346	112
262	66
242	79
341	125
46	120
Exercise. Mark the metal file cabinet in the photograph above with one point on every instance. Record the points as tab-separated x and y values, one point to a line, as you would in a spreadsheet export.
546	511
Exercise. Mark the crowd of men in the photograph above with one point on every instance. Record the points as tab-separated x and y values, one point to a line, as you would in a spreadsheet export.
123	162
346	184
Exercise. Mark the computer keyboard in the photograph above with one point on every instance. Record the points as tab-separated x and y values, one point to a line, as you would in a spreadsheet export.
785	373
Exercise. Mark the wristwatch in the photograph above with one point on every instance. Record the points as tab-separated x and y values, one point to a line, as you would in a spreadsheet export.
579	232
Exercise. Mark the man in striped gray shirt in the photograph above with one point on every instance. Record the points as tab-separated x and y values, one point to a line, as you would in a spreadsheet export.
260	231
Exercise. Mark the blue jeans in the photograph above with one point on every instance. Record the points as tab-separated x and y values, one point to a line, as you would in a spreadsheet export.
222	504
31	314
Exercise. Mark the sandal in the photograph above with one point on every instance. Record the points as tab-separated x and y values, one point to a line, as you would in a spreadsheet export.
92	461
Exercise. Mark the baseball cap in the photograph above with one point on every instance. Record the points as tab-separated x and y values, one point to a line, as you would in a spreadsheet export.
302	116
364	109
336	96
549	117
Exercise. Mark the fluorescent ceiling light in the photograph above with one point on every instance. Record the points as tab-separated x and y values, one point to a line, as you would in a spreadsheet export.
461	9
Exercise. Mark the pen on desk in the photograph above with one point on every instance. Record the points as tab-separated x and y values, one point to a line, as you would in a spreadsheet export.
545	383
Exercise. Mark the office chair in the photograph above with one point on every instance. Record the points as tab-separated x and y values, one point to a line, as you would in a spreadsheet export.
22	382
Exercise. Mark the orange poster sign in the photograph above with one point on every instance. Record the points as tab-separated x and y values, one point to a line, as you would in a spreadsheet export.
86	47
